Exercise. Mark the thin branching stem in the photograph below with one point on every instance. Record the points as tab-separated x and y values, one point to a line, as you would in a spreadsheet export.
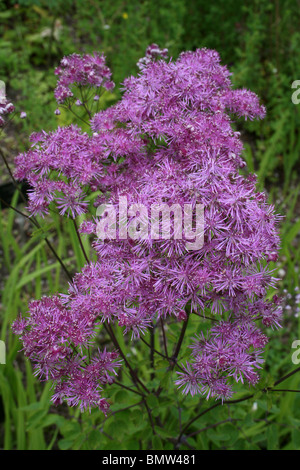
164	336
180	341
80	241
240	400
133	374
37	225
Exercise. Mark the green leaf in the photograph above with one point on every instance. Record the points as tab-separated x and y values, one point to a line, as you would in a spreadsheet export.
296	439
36	419
152	401
95	439
292	233
53	419
32	407
122	396
70	430
65	444
6	14
272	437
165	381
217	436
116	428
157	443
231	431
167	433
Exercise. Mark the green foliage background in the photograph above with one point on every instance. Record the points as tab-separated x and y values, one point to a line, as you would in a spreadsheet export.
260	41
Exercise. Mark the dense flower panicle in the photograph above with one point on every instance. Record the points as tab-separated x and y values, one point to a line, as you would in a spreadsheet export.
58	167
233	349
54	339
168	140
83	70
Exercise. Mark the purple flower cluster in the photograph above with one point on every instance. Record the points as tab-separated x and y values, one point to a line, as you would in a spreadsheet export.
54	338
5	108
169	140
58	167
152	52
233	349
83	70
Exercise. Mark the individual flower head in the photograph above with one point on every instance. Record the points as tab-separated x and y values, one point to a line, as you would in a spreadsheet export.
6	107
232	349
152	52
58	167
85	70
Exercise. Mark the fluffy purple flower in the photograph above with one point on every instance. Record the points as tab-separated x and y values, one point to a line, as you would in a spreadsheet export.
58	167
54	339
152	52
83	70
233	349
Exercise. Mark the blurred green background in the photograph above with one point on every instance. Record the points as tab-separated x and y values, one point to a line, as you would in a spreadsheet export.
259	40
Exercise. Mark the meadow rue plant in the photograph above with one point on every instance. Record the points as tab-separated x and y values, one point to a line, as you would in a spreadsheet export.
168	143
